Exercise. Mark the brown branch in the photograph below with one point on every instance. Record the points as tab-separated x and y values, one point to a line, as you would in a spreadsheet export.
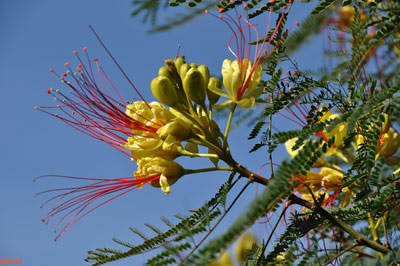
362	240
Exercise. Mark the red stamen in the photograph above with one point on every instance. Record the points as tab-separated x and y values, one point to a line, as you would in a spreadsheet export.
51	70
84	48
206	11
221	10
75	52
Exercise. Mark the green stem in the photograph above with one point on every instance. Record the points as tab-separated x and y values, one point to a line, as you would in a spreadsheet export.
203	170
183	152
228	124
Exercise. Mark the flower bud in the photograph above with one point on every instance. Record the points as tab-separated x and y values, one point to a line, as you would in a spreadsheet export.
203	69
194	87
179	61
183	70
213	83
164	72
164	91
193	65
170	65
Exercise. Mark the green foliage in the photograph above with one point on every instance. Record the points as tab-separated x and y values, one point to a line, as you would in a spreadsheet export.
322	6
186	228
357	95
277	189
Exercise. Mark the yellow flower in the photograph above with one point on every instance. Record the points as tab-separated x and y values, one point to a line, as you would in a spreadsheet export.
152	116
244	245
313	181
332	179
224	260
240	80
157	124
151	146
388	144
339	132
168	171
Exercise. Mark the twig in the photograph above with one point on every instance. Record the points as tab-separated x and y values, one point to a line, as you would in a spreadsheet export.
217	223
341	253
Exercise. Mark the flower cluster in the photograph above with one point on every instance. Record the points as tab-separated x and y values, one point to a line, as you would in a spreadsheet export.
155	134
327	184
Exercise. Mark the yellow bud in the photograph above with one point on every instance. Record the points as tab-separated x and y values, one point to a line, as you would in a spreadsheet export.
193	65
205	73
213	83
194	86
173	71
183	70
164	72
179	61
164	91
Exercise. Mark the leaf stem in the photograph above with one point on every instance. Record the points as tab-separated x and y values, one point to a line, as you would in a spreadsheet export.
183	152
228	124
203	170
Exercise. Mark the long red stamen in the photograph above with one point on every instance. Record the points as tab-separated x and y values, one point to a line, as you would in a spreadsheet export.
92	110
78	199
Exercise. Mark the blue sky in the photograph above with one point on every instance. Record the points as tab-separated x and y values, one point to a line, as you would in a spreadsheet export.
39	35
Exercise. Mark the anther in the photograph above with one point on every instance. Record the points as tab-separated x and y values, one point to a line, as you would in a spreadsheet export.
65	74
272	1
287	72
35	107
221	10
240	16
75	52
290	1
95	59
80	65
66	64
297	23
294	72
246	5
284	7
220	17
48	91
51	70
206	11
84	48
